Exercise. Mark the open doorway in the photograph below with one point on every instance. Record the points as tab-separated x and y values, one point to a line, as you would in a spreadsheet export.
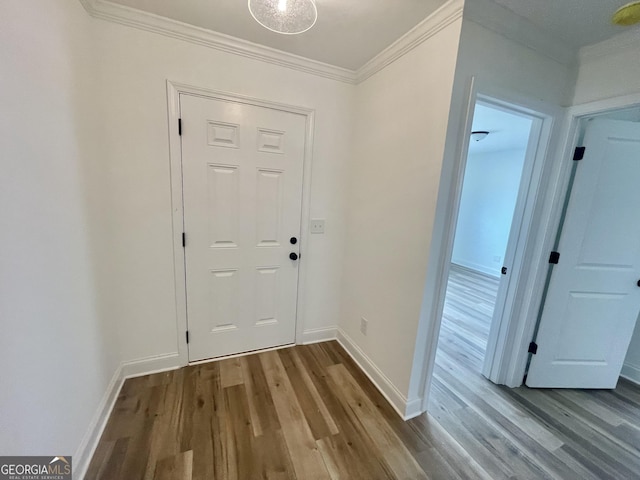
497	175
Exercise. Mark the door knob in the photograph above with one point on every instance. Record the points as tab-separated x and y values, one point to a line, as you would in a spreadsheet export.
293	256
293	240
638	283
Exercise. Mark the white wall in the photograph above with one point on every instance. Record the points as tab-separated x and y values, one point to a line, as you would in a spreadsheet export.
489	194
400	125
57	343
512	68
609	75
608	70
134	67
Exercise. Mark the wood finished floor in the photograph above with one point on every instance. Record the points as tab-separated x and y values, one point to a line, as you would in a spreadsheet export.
522	432
308	412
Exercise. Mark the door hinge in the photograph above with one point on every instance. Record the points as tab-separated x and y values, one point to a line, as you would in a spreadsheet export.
180	126
504	270
554	257
578	153
187	335
533	348
184	239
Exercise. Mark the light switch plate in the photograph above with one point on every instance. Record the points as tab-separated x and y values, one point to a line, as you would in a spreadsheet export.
317	225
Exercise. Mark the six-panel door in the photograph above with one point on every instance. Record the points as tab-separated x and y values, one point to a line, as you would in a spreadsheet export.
242	183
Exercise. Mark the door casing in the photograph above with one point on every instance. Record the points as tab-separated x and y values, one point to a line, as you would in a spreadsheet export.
174	90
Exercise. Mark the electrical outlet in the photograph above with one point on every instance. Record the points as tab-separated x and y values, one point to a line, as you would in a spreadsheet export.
364	323
317	225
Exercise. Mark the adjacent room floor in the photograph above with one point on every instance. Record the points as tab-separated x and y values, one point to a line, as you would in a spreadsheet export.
522	432
468	310
309	412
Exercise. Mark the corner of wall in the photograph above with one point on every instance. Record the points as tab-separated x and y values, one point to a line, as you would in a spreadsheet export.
136	368
316	335
84	453
405	408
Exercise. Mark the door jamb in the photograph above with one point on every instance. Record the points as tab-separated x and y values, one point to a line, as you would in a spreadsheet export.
174	90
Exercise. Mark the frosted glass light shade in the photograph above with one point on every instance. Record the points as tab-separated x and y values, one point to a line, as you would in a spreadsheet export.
284	16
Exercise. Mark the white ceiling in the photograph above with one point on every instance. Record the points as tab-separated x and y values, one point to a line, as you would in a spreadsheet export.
348	32
506	130
577	22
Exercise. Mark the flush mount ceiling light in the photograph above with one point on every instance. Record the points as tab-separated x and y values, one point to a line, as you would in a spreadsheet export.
284	16
479	135
628	14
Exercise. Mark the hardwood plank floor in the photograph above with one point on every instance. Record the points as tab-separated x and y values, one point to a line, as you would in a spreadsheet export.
309	412
522	432
468	310
305	412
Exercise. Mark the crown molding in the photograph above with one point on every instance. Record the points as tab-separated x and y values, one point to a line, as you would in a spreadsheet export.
625	41
149	22
438	20
131	17
505	22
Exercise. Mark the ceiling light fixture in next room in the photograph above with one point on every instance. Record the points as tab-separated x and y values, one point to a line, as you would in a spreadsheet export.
479	135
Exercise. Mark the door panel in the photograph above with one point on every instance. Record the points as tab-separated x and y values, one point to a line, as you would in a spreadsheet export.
223	200
242	183
593	299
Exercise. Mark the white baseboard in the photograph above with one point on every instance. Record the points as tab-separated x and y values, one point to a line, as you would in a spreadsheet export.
405	408
84	453
149	365
476	268
631	373
316	335
413	409
135	368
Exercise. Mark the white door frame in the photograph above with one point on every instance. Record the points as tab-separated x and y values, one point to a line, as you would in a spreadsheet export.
527	262
175	156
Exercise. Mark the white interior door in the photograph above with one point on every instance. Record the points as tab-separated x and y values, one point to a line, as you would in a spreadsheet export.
242	183
593	299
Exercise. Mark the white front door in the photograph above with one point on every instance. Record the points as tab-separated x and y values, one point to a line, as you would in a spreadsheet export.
242	185
593	298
